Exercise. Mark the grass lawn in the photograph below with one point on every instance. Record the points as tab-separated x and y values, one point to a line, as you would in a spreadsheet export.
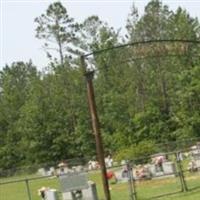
119	191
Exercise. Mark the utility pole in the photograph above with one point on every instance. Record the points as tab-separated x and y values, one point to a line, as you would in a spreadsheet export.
95	125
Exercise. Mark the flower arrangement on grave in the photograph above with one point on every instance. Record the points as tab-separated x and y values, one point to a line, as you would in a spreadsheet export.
41	192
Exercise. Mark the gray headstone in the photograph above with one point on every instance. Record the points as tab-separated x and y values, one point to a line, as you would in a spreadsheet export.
87	194
169	168
152	169
73	181
160	174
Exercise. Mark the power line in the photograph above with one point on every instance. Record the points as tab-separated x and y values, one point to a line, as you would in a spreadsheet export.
141	42
132	60
152	57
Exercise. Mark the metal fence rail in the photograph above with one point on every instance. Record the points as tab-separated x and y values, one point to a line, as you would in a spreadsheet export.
180	179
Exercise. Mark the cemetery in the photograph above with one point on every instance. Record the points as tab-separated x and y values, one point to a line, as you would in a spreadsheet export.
75	183
81	183
108	110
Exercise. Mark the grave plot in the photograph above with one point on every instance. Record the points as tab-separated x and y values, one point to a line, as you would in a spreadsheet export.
76	186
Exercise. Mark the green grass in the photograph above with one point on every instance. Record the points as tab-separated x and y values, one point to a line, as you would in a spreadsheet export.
119	191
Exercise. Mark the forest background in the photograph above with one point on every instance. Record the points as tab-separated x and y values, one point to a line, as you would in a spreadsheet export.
141	102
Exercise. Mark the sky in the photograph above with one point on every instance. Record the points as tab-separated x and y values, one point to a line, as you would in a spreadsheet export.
17	27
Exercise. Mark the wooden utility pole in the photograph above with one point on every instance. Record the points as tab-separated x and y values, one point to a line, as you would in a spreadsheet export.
95	125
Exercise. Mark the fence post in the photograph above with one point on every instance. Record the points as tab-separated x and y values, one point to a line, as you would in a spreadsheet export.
181	173
28	189
131	182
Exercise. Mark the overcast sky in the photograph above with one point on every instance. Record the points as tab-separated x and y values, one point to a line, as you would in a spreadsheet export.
17	35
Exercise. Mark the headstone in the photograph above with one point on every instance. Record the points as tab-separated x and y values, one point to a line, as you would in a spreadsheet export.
51	194
159	174
169	168
123	162
108	161
194	150
154	172
63	170
198	163
52	170
79	168
86	194
67	196
42	172
121	178
73	181
196	155
91	192
152	169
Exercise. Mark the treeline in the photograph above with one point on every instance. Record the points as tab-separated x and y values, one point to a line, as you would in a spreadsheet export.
145	94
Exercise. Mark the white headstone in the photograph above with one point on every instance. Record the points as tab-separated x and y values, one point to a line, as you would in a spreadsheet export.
91	192
197	163
169	168
52	170
120	178
51	194
67	196
42	172
79	168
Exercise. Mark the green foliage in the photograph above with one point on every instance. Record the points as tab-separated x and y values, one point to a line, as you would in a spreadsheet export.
15	83
58	31
145	94
135	152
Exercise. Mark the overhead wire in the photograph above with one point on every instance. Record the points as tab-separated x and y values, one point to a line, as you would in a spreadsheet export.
141	42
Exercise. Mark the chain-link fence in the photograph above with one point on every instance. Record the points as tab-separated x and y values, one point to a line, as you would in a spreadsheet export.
165	174
160	175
